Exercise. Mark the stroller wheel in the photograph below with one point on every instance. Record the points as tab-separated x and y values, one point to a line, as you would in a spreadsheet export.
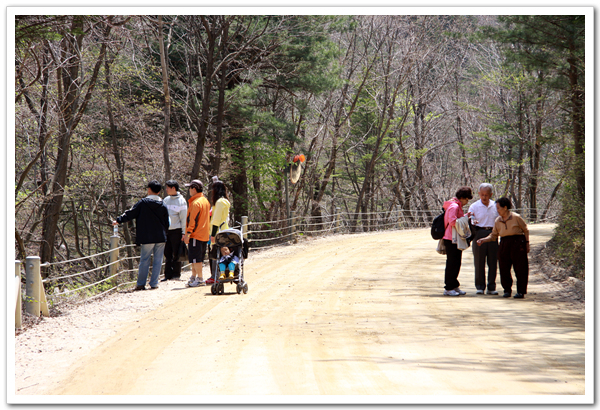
238	288
245	288
213	289
221	289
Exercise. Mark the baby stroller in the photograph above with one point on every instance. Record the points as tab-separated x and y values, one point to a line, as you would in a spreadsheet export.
234	240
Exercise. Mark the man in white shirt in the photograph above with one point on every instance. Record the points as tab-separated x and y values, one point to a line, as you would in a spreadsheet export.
177	206
483	218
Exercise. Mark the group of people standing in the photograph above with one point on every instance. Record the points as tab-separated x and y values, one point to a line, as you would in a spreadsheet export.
489	220
163	224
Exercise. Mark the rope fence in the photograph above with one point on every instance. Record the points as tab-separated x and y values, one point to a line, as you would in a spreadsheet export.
87	257
263	236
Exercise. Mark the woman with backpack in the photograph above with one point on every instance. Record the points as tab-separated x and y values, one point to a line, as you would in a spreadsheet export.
453	211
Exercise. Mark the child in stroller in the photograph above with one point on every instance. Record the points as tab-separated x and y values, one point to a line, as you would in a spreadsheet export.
230	258
231	250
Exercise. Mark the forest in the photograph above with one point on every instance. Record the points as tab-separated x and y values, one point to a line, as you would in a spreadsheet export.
391	113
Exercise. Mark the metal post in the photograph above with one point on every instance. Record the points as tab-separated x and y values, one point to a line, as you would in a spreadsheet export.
244	227
32	285
18	307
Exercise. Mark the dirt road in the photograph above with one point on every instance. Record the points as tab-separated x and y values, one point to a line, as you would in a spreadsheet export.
344	315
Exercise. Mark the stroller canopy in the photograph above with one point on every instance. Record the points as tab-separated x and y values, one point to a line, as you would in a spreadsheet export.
229	237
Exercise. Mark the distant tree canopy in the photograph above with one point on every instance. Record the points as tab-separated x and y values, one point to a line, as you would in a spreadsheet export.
391	112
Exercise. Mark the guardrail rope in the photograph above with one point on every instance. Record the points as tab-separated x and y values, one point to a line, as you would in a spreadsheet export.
85	257
340	222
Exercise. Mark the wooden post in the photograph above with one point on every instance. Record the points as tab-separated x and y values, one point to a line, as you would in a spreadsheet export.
19	306
32	285
43	300
114	256
35	297
337	220
244	227
293	226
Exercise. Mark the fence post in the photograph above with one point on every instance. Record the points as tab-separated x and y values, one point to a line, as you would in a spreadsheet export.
244	227
19	306
294	237
35	298
114	255
32	285
337	220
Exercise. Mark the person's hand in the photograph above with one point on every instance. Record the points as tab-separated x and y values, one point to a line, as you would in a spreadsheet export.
528	248
115	223
469	214
480	241
186	239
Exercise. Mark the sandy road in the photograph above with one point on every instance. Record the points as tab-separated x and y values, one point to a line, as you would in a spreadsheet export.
344	315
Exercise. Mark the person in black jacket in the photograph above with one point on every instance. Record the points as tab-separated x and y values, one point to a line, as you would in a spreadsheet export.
152	223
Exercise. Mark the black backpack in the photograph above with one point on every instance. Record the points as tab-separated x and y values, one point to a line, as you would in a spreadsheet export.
438	228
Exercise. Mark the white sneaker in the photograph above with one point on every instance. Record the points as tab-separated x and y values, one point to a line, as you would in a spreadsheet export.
492	292
190	281
479	292
197	283
460	292
451	293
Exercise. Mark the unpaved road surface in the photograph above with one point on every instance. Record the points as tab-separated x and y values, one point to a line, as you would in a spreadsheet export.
342	315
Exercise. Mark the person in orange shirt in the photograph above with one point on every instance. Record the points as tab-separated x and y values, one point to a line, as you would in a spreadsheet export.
197	231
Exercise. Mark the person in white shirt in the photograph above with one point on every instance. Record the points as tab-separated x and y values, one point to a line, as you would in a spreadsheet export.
483	218
177	206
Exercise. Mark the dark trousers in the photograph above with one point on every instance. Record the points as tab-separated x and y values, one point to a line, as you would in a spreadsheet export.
486	252
172	264
453	261
512	252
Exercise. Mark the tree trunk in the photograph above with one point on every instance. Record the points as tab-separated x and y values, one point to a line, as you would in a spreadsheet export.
203	121
122	191
43	122
70	113
535	152
459	135
239	181
167	109
521	137
216	162
577	101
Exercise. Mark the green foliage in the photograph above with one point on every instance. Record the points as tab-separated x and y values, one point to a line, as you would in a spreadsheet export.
38	28
568	242
307	56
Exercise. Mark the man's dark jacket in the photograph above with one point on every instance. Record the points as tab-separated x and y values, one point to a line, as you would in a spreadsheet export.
152	221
